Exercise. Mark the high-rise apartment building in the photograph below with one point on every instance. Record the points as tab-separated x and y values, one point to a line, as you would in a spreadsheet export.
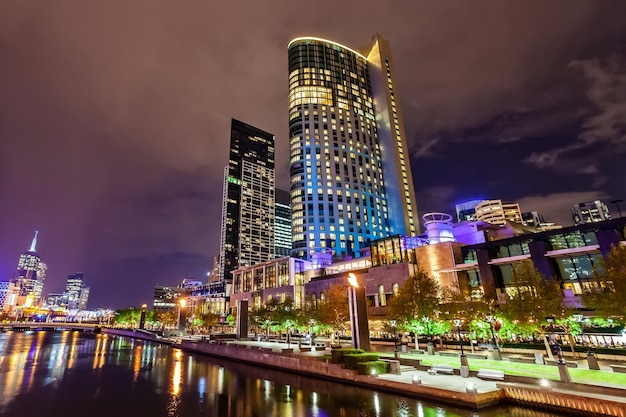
30	276
282	224
351	179
497	212
247	235
590	212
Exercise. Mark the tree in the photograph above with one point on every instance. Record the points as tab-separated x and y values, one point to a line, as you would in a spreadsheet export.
416	307
531	298
333	312
605	294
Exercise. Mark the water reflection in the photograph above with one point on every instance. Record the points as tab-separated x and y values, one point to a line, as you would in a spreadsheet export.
82	374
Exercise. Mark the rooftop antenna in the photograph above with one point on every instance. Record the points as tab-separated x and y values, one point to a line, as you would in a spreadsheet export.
33	244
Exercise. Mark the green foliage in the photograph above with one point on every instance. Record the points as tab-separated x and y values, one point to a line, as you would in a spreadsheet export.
353	359
127	317
337	354
606	292
458	305
333	313
418	297
427	326
532	298
368	368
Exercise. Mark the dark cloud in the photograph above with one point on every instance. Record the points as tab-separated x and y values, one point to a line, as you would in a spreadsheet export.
115	116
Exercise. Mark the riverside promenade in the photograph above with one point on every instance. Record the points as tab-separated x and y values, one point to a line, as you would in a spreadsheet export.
412	377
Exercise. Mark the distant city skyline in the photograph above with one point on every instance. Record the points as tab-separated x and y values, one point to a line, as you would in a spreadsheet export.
113	142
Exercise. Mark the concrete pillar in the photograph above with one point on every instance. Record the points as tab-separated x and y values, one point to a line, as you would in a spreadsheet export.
242	320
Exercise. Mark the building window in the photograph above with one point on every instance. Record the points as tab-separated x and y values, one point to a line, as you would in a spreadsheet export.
382	298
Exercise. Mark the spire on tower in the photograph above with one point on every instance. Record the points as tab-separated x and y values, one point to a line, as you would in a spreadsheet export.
33	244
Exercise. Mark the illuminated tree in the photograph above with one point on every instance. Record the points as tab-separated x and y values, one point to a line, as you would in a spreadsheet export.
531	298
417	307
605	294
332	313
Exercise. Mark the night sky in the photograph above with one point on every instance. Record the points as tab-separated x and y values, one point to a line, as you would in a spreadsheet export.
115	117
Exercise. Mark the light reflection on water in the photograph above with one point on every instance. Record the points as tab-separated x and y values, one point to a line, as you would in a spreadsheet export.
85	374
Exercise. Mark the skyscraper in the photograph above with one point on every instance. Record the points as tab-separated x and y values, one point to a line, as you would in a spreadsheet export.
247	235
282	224
77	292
351	179
30	276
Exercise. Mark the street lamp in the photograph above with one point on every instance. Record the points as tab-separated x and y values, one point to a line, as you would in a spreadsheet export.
496	351
430	347
267	329
395	337
591	359
311	334
457	323
554	347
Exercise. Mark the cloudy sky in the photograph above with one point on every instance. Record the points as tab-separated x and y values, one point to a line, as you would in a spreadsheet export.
115	117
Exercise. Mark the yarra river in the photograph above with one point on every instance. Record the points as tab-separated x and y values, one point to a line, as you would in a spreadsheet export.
79	374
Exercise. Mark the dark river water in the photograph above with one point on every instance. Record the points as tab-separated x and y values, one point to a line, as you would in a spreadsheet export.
67	374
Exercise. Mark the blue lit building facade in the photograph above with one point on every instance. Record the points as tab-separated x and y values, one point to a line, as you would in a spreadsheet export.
351	180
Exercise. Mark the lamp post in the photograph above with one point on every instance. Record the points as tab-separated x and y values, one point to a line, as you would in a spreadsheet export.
592	362
555	348
457	323
311	334
429	347
496	350
267	330
395	337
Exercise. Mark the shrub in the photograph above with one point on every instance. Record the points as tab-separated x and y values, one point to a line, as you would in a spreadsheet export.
366	368
353	359
337	354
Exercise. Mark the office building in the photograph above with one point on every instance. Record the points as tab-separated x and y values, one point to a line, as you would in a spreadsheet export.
282	224
590	212
247	235
77	292
351	179
30	276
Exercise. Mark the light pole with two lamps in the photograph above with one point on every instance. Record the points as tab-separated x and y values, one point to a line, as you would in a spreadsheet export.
556	348
496	350
464	364
591	359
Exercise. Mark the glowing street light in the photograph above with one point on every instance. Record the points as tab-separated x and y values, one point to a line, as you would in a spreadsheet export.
457	323
496	351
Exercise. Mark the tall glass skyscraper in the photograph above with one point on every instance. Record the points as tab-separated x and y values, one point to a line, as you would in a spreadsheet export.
351	178
282	224
247	235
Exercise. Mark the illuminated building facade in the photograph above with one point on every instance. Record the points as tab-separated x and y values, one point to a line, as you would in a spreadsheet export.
30	276
497	212
77	292
247	235
590	212
351	180
282	224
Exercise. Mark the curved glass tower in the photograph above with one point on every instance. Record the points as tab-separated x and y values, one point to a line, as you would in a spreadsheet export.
350	180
